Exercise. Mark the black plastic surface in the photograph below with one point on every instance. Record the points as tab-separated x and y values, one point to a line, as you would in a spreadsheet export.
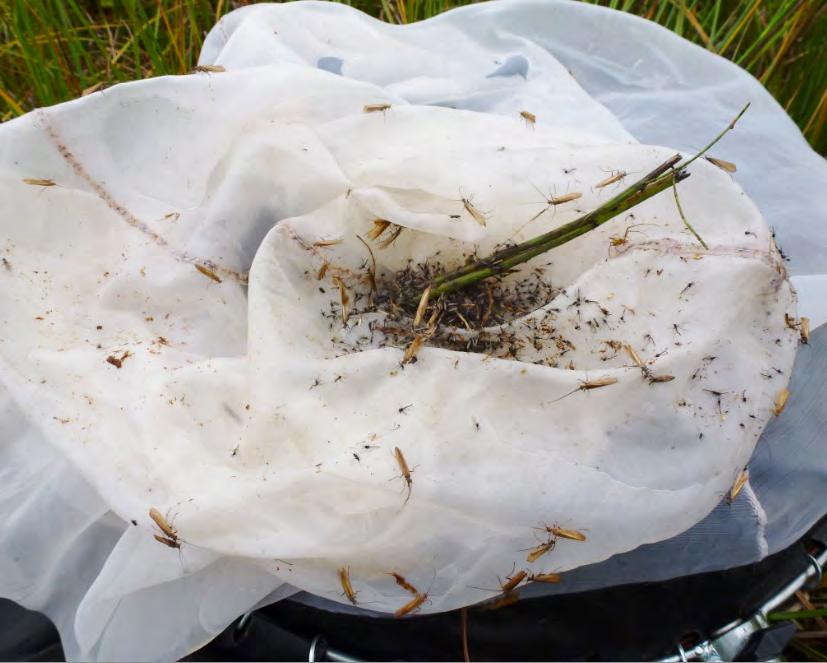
638	622
768	643
635	622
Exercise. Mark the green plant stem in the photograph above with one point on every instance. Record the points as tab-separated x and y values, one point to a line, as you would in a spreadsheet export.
507	259
667	174
684	219
728	128
614	203
797	614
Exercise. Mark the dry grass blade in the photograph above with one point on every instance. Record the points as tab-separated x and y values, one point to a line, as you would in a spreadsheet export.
344	298
413	349
463	615
423	305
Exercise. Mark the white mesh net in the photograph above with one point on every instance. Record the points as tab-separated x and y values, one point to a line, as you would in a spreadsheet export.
173	332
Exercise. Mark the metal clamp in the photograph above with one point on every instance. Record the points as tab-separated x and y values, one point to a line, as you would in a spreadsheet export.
728	641
318	649
815	581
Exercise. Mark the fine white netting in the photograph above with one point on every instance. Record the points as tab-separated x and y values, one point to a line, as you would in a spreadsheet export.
234	399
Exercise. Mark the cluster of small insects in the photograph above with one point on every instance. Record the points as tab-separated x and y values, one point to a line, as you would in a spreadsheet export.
400	313
508	588
169	535
411	606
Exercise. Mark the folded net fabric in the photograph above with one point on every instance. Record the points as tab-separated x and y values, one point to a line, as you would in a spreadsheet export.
167	343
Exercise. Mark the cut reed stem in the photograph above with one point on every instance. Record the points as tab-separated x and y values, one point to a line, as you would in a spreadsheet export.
665	175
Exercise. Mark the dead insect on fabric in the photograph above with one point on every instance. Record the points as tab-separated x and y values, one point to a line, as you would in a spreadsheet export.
406	471
509	598
739	484
344	579
170	534
414	604
512	581
780	402
379	226
206	271
634	355
589	385
117	362
376	108
530	118
790	321
475	213
163	524
566	198
322	271
38	181
804	330
92	88
372	269
208	69
551	578
404	584
610	180
563	533
617	240
727	166
169	543
536	553
390	239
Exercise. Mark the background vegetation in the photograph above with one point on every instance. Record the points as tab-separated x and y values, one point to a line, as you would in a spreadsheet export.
53	50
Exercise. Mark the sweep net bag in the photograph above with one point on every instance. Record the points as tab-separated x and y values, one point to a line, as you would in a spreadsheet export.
187	323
